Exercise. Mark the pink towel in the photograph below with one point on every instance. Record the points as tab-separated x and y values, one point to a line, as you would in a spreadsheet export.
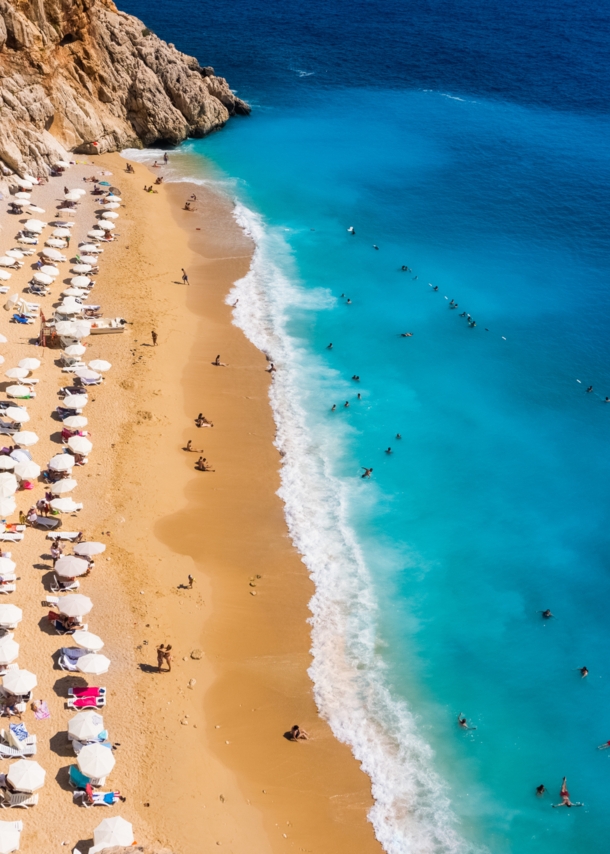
43	711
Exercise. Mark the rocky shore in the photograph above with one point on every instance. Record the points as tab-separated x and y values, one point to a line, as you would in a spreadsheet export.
81	76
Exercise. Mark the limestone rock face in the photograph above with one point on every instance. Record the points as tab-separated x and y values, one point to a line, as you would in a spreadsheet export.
79	75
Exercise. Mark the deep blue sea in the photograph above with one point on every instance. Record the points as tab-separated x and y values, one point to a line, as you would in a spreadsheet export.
470	143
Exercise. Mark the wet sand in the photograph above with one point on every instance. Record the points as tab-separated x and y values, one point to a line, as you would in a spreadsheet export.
203	760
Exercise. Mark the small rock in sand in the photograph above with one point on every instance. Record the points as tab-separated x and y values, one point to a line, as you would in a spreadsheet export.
196	654
184	722
192	683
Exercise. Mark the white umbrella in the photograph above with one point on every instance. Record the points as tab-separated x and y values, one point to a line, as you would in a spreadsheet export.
79	444
110	215
7	261
9	649
15	253
20	455
106	226
10	615
74	605
62	487
100	365
75	422
16	373
26	438
93	663
49	269
19	682
75	401
63	164
3	339
56	243
5	276
27	470
74	328
95	233
65	505
95	760
19	391
89	549
73	292
69	306
42	278
89	259
16	413
112	205
62	462
7	565
75	350
86	726
29	363
7	507
79	191
72	196
88	640
90	247
61	232
81	268
25	185
80	281
53	254
31	179
8	484
2	360
28	241
86	374
60	223
25	775
113	831
24	197
34	225
7	463
10	838
35	209
70	566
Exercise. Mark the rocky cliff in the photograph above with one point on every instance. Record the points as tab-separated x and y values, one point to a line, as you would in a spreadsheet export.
81	76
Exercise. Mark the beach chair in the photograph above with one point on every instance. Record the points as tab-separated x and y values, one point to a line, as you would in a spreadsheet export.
7	752
64	535
100	799
18	799
85	703
6	667
8	588
12	825
77	746
51	600
87	691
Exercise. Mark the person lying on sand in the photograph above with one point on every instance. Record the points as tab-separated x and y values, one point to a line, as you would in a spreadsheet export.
298	734
218	363
202	421
189	447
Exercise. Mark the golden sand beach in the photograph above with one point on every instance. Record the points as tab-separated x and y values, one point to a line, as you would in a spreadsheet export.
201	758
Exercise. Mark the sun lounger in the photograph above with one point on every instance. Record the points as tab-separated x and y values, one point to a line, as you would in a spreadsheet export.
8	588
58	586
18	799
9	536
100	799
12	825
78	745
7	752
85	703
87	691
6	667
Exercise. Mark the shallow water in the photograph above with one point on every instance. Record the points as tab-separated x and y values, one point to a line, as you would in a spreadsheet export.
489	179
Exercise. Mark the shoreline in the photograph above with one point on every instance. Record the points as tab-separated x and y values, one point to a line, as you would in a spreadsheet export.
256	648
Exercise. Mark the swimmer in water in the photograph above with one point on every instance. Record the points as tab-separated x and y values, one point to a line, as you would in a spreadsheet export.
604	746
463	314
406	335
565	797
359	396
330	346
590	389
540	790
367	472
584	672
333	407
346	404
607	400
351	229
463	723
388	450
546	615
435	288
375	246
415	278
398	436
349	302
356	378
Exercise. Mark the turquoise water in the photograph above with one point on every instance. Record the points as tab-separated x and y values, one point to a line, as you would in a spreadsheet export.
494	504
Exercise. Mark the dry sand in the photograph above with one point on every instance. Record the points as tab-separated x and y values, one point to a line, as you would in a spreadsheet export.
202	759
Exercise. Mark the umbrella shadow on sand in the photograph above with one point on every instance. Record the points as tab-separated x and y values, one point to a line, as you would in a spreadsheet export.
61	746
64	683
83	845
63	778
46	627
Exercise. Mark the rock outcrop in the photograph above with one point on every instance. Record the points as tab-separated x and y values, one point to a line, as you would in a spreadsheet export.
81	76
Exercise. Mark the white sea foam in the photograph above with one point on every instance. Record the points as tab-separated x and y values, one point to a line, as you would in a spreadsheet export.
412	812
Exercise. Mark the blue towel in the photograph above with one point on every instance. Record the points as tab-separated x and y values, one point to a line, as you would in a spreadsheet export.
77	778
19	731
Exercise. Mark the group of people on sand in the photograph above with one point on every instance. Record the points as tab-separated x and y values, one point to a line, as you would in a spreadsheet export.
164	656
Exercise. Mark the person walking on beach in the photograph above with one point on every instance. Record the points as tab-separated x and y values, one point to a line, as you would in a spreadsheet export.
191	581
165	158
56	552
160	657
565	797
168	658
463	723
185	278
153	335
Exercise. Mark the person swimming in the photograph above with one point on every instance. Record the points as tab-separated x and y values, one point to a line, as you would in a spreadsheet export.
346	404
375	246
540	790
367	472
351	229
359	396
546	615
349	302
590	389
406	335
565	797
463	723
333	407
584	672
330	346
388	451
398	436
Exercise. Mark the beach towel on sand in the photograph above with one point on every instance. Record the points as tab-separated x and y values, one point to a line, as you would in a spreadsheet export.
42	711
